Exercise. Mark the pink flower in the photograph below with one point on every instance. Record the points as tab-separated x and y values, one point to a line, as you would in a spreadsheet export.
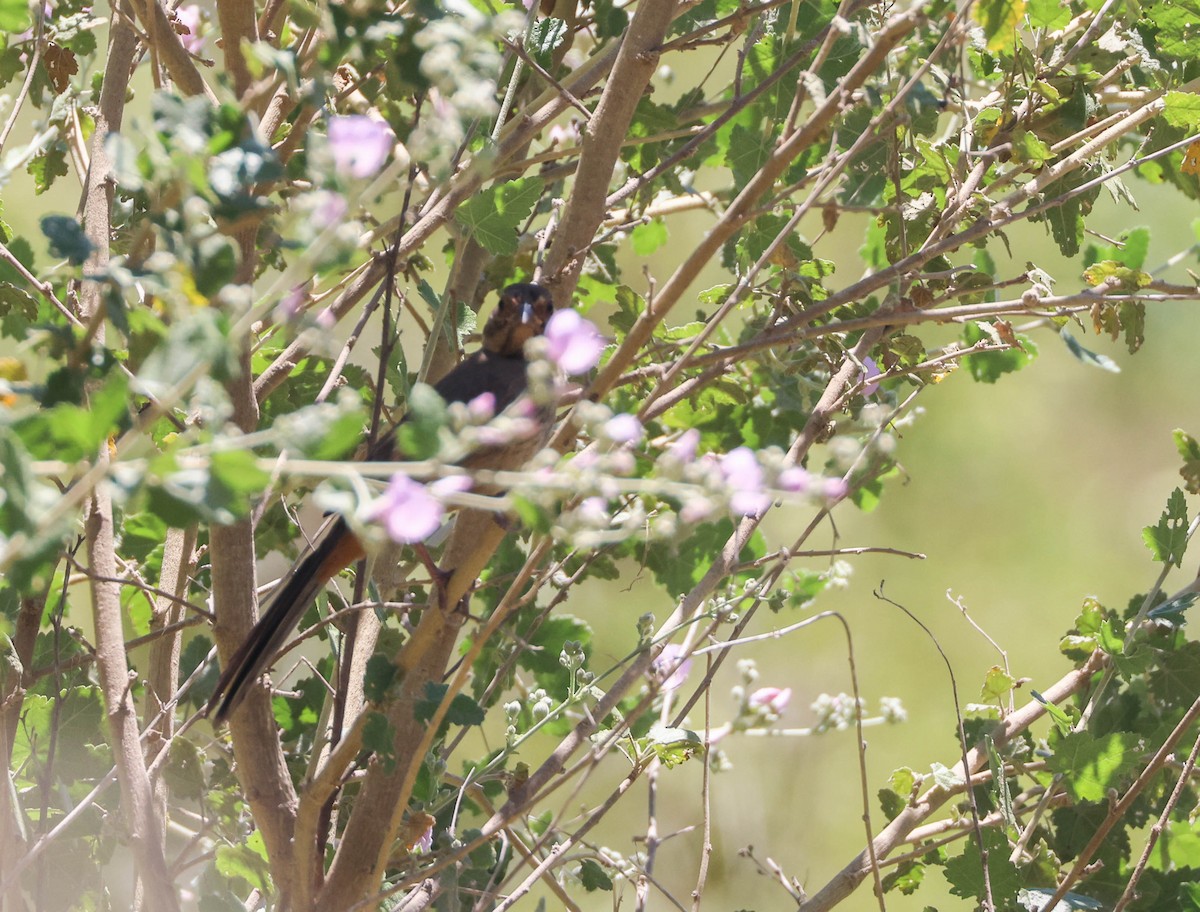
683	448
835	488
872	370
407	511
360	145
189	16
773	700
623	429
668	666
288	309
744	477
573	343
424	843
330	209
794	479
564	134
482	408
593	511
451	484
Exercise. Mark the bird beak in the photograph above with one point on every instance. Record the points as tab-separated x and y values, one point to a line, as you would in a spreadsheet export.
527	312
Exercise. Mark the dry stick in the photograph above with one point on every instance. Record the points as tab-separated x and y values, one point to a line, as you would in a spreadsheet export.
167	45
601	145
919	810
1160	825
438	634
1118	810
14	838
145	834
706	847
238	24
164	655
976	827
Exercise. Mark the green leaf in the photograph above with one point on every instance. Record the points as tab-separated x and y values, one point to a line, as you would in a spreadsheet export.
493	216
545	644
1189	451
46	166
592	876
674	746
547	34
1104	362
378	737
247	861
988	367
999	19
965	872
1116	276
1175	23
420	432
198	340
66	238
997	684
462	710
380	676
1061	719
1092	765
1168	539
649	237
1048	14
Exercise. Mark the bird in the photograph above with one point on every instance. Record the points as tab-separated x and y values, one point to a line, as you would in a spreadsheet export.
497	368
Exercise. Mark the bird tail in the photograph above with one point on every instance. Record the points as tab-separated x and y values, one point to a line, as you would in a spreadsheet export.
337	548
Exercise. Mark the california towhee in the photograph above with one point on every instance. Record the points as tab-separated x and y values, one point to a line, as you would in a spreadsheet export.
498	368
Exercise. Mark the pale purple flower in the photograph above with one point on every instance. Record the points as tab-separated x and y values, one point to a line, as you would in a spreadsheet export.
572	342
794	480
451	484
835	488
508	429
424	843
326	319
561	134
683	448
623	429
189	17
668	666
620	462
744	477
288	309
773	700
872	370
482	408
407	510
593	511
360	145
329	209
696	509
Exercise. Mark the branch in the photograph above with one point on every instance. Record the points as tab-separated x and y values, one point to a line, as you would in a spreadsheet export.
896	832
740	210
602	139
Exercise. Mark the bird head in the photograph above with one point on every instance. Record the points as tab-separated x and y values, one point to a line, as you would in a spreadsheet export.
522	313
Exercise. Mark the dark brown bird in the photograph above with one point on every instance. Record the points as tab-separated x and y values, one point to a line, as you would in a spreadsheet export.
499	368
